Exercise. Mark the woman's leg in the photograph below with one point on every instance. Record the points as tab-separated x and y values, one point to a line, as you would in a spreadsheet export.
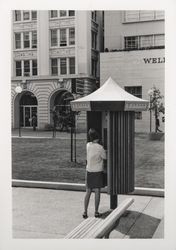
97	199
87	198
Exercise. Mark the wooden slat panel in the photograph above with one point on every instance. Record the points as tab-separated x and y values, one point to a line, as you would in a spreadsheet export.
121	155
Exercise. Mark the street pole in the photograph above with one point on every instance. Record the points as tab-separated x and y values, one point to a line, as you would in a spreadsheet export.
19	120
71	138
75	141
150	116
113	201
18	90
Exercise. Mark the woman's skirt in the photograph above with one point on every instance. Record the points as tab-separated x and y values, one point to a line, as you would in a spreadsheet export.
94	179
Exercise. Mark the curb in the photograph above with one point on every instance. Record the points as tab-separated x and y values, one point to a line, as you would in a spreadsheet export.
45	137
80	187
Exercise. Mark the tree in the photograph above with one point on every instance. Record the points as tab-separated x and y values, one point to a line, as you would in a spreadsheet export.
156	105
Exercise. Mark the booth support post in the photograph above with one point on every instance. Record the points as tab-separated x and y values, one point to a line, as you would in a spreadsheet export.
113	201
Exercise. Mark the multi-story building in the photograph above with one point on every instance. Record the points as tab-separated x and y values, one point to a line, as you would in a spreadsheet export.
134	55
55	59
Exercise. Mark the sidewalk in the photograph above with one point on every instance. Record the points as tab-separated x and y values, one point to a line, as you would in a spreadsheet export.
51	214
29	133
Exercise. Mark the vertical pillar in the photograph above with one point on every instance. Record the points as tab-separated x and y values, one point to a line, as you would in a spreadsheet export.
120	152
43	42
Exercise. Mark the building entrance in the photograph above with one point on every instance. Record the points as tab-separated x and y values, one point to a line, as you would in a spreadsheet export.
26	114
28	109
62	117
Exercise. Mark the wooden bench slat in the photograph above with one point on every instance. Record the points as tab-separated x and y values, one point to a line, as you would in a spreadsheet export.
98	227
110	220
95	223
81	231
80	226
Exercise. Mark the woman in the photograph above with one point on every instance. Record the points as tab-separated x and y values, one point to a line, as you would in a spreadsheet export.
94	171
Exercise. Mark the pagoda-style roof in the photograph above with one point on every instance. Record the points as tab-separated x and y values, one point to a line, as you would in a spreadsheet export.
109	97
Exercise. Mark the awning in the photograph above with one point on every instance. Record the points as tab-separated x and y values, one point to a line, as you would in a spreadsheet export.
110	97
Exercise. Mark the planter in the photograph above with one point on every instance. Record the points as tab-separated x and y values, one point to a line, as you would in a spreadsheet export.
156	136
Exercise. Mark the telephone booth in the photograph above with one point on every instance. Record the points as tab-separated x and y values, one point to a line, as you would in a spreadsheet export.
111	111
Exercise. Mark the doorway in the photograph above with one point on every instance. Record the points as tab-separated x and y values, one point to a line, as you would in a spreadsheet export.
28	109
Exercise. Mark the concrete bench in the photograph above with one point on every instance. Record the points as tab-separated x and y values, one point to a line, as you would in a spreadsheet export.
97	228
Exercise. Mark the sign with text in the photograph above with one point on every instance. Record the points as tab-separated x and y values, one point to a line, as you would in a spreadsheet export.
154	60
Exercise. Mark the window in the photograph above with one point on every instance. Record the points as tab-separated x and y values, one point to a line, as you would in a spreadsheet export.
131	42
18	68
94	67
34	15
71	36
159	14
71	13
29	40
34	39
53	13
17	15
136	91
26	40
34	67
72	65
137	42
26	15
54	37
54	66
159	40
146	41
63	13
142	15
26	68
17	40
94	40
63	66
63	38
146	15
94	15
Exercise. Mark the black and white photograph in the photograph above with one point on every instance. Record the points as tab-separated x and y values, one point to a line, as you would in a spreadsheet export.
88	127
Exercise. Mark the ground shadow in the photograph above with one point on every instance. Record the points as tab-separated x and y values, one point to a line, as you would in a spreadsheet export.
137	225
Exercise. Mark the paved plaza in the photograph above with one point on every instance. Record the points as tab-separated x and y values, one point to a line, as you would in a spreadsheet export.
52	214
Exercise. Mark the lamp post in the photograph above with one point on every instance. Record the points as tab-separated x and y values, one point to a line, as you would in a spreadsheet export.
18	90
150	92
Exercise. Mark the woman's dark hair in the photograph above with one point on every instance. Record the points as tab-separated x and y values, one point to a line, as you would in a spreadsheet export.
93	134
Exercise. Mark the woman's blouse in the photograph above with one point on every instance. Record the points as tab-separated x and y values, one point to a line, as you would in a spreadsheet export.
95	156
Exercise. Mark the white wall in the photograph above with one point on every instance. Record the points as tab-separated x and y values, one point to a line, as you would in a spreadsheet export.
43	42
116	30
83	41
129	69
